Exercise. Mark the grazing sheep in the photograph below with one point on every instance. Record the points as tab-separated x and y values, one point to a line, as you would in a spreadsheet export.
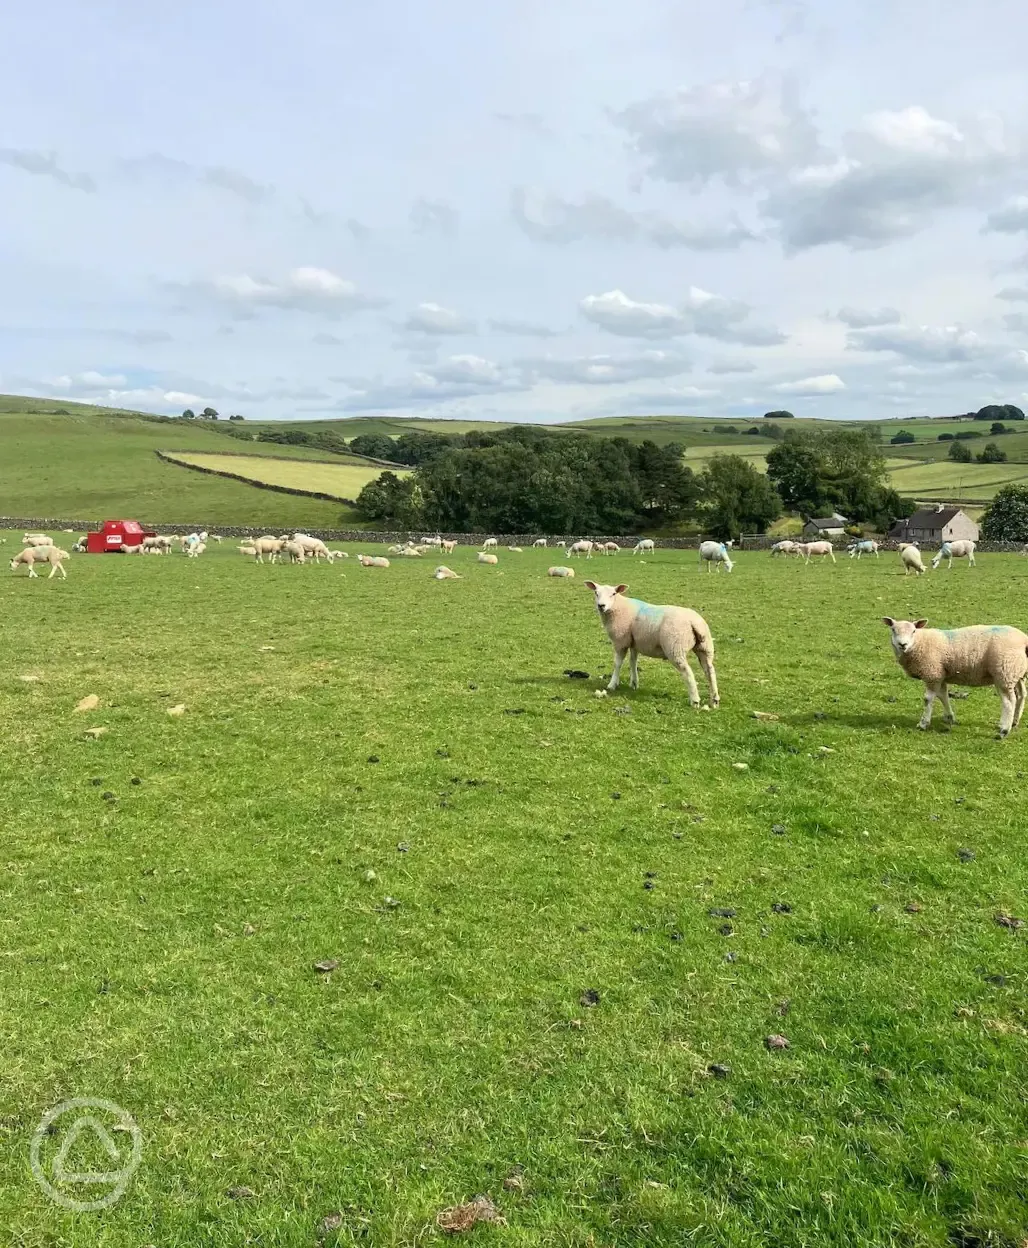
449	546
716	552
821	549
443	573
984	654
486	558
579	548
645	544
655	632
296	552
32	555
539	541
431	541
784	547
963	549
561	571
80	546
372	561
910	557
610	548
866	547
312	546
270	546
489	543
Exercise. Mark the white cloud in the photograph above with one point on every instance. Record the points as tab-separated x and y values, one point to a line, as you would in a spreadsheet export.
313	290
44	165
458	377
432	318
181	172
1012	218
1013	294
702	313
531	123
429	216
865	318
521	329
828	383
728	367
950	343
548	218
89	381
605	370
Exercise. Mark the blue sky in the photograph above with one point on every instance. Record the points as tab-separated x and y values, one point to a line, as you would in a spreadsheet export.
529	211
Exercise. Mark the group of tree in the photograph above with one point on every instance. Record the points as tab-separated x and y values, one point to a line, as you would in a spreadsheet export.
1006	517
999	411
208	413
990	454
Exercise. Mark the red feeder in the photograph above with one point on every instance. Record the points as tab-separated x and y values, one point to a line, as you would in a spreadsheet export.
114	535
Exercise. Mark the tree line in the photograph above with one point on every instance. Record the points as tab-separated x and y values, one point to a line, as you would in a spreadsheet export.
525	479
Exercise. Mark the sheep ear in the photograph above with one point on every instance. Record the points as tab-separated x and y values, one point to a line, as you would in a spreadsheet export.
920	623
888	621
620	589
590	584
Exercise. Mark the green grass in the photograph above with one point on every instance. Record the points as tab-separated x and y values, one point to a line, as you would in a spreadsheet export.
157	939
342	480
945	479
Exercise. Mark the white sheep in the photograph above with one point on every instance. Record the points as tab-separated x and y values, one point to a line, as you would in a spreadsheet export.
431	541
449	546
539	541
296	552
910	557
36	539
489	543
409	552
610	548
516	550
867	546
196	550
962	549
32	555
333	555
579	548
561	571
443	573
984	654
216	538
80	547
270	546
785	547
656	632
806	549
645	544
483	557
247	550
372	561
138	550
716	552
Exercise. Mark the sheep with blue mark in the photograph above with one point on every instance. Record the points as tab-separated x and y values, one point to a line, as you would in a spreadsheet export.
961	549
655	632
984	654
865	547
716	552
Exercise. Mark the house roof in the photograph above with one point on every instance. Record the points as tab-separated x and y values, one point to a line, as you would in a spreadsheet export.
930	518
829	522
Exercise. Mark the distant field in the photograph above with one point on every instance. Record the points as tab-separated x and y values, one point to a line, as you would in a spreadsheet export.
945	479
342	480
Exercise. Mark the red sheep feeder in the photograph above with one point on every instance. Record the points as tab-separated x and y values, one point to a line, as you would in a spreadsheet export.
114	535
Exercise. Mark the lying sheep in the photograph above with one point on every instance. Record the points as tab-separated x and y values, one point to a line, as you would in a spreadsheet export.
333	555
516	550
984	654
247	550
910	557
561	571
409	552
963	549
485	558
579	548
645	544
716	552
372	561
806	549
655	632
443	573
32	555
36	539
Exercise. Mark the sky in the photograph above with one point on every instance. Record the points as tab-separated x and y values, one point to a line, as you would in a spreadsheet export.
542	210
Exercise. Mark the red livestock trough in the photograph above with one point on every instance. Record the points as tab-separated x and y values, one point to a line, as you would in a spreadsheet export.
114	535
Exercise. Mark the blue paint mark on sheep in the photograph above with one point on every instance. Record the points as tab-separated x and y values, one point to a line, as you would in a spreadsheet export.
646	609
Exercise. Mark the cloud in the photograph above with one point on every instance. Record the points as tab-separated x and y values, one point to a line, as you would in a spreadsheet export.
719	367
522	329
1016	322
327	340
739	132
361	233
429	216
828	383
604	370
432	318
1012	218
88	382
44	165
318	291
458	377
865	318
1013	294
178	172
895	171
948	344
705	314
141	337
548	218
531	123
312	214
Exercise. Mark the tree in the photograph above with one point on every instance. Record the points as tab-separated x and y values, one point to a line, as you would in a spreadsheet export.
208	413
904	435
998	427
237	418
794	469
946	437
960	453
991	454
999	411
1006	517
817	471
1012	412
189	414
391	498
737	497
779	416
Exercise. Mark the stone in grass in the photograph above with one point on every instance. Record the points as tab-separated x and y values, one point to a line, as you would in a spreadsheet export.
574	674
329	1224
966	855
731	957
372	758
778	829
135	780
241	1193
781	907
326	965
718	1070
726	929
589	998
515	1181
89	703
722	912
1008	920
109	796
775	1043
177	710
913	907
741	766
460	1218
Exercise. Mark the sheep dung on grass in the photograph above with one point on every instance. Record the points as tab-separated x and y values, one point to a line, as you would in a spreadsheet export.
655	632
984	654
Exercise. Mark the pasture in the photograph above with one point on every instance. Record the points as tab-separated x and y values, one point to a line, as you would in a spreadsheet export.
342	480
565	925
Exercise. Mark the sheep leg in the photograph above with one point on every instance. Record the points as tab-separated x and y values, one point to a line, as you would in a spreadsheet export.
633	669
1006	714
615	676
930	693
943	696
832	553
707	663
970	559
1020	690
685	671
33	572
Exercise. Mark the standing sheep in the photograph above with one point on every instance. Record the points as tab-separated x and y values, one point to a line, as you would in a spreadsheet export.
489	543
911	559
655	632
865	547
984	654
579	548
449	546
806	549
610	548
32	555
270	546
963	549
645	544
785	547
716	552
539	541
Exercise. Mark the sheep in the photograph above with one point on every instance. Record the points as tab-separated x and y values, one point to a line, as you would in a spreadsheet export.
443	573
311	546
515	550
865	547
410	552
431	541
539	541
32	555
655	632
963	549
270	546
610	548
449	547
806	549
80	547
137	550
196	550
579	548
645	544
333	555
716	552
784	547
296	552
216	538
247	550
561	571
372	561
483	557
36	539
910	557
489	543
984	654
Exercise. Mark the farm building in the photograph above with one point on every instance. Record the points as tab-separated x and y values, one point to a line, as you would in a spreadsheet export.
827	526
935	524
114	535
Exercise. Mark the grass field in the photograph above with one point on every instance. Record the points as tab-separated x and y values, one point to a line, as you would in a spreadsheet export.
395	773
947	480
341	480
